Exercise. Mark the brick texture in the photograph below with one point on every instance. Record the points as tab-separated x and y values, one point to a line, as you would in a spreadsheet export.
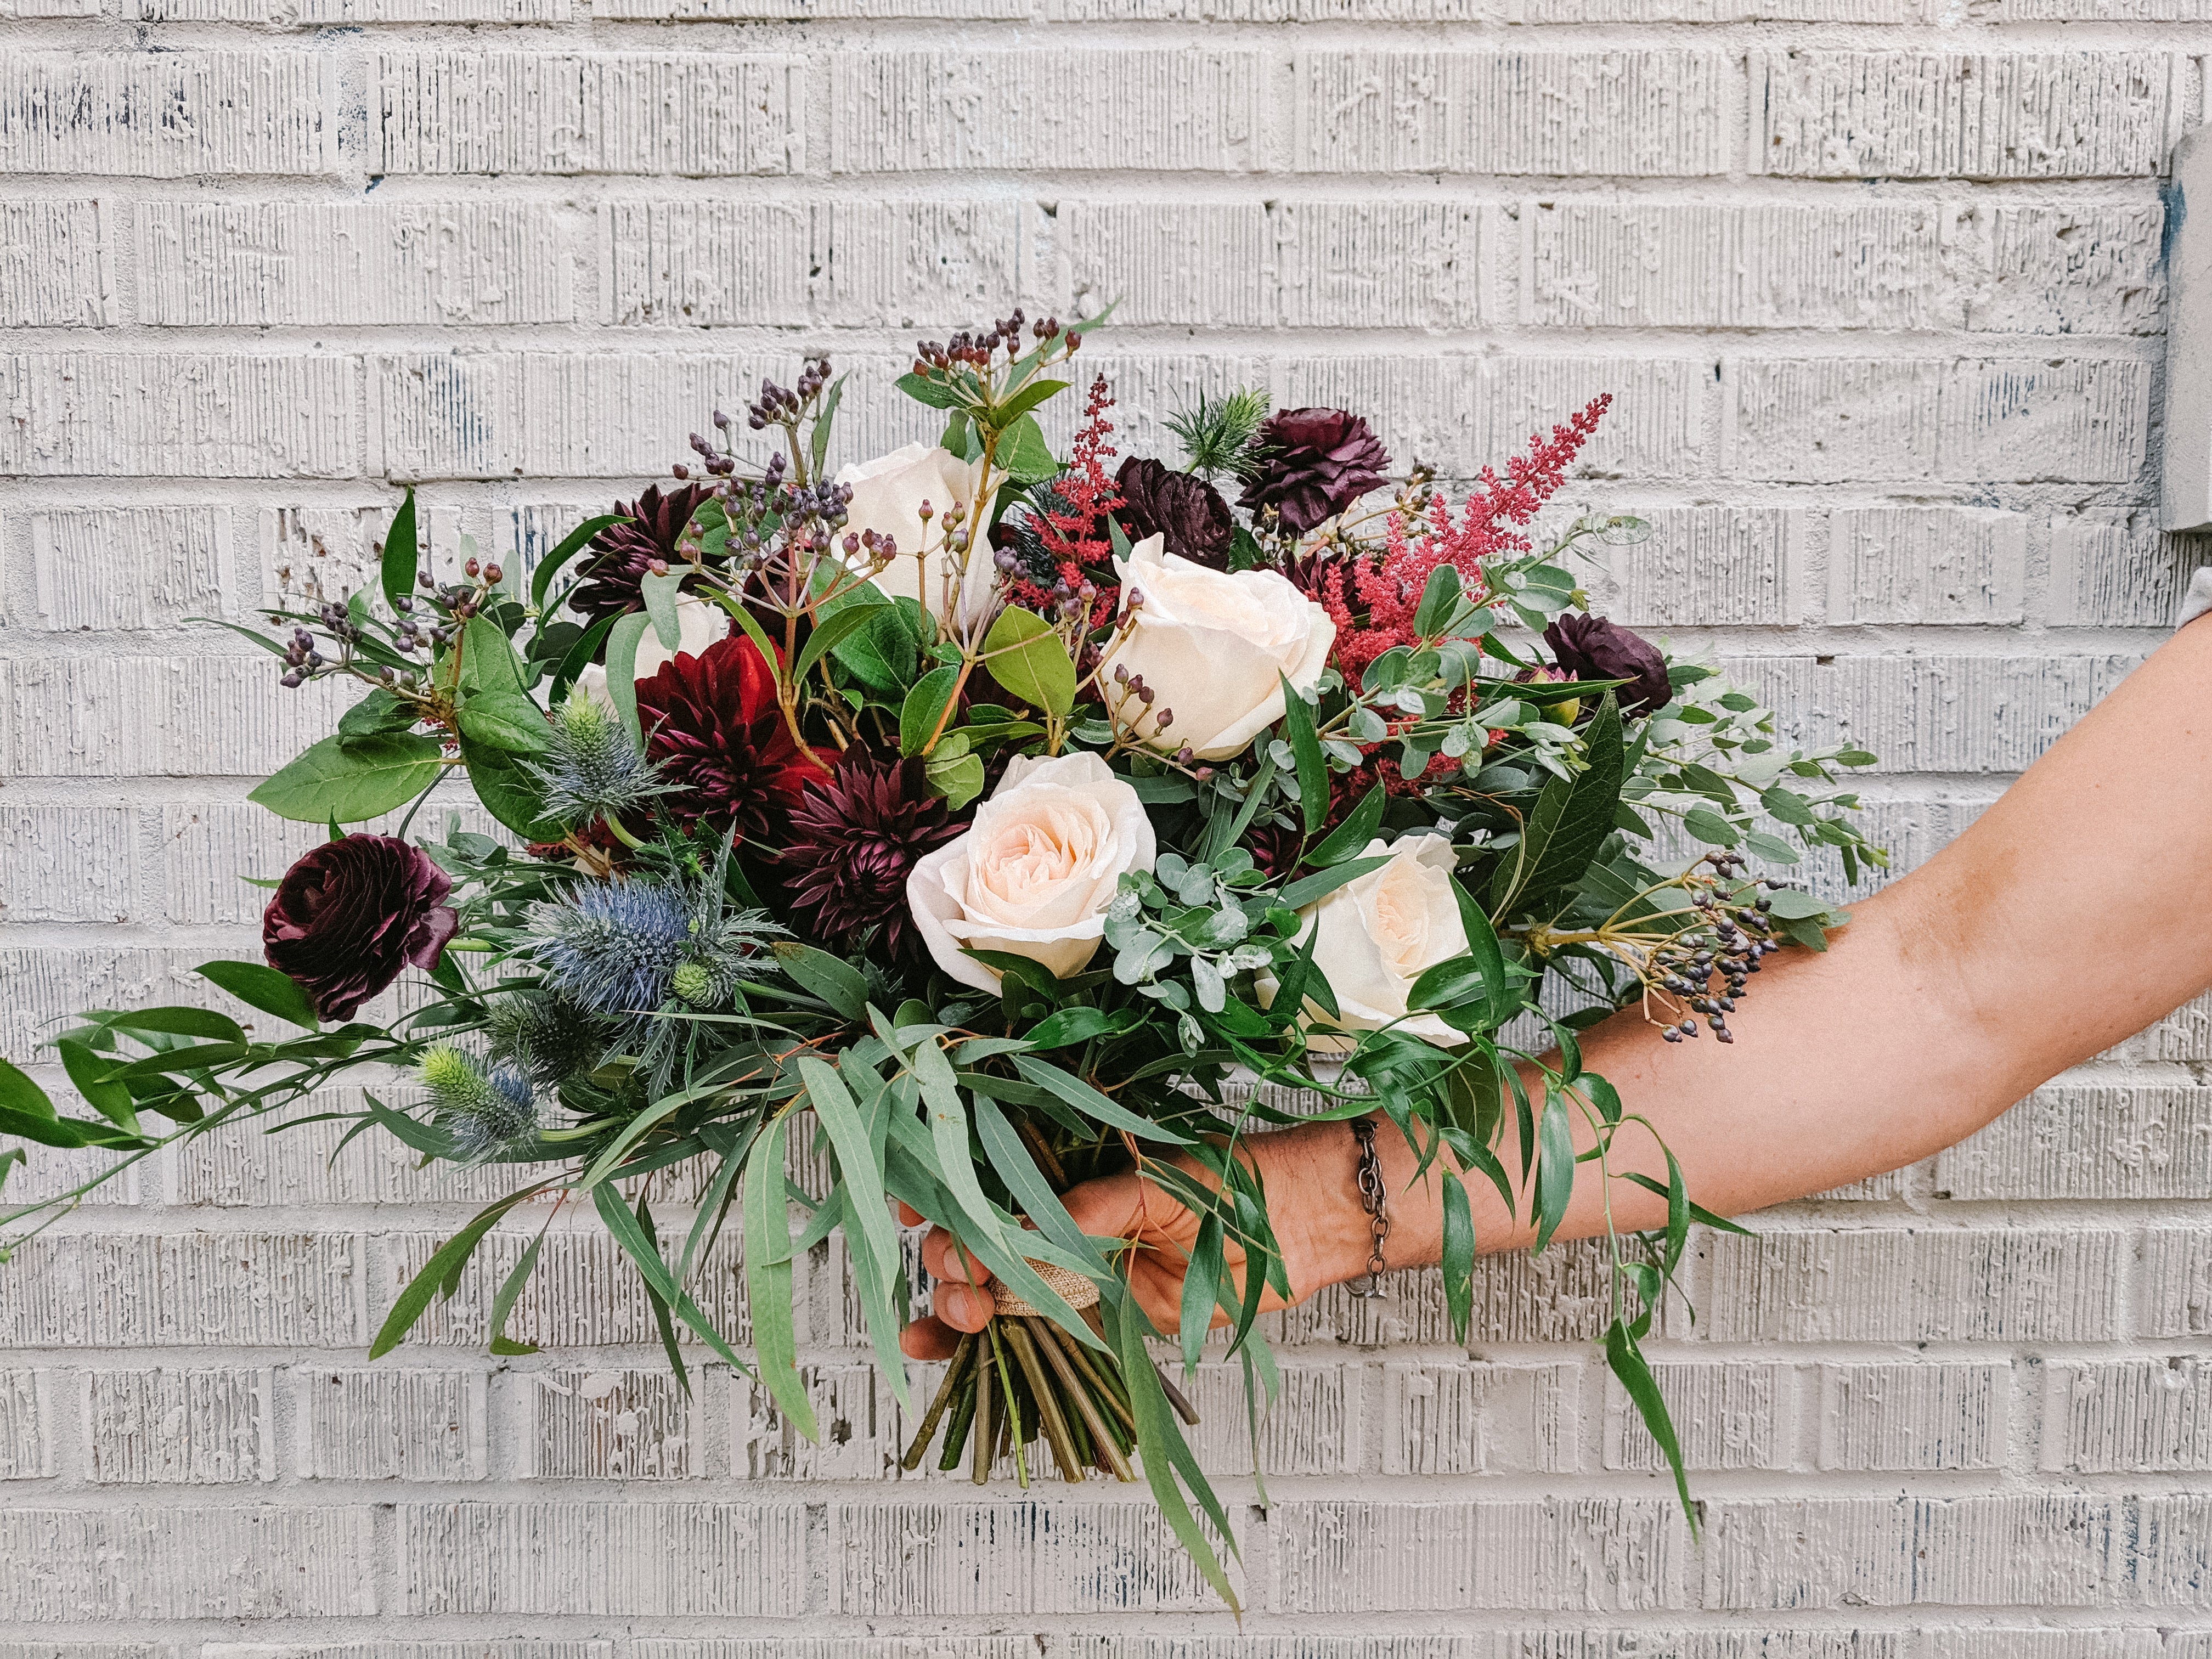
1879	288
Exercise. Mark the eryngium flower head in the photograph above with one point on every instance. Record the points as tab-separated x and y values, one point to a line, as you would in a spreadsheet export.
482	1115
593	771
547	1037
713	731
351	914
614	948
1592	648
1187	513
618	556
1311	464
854	837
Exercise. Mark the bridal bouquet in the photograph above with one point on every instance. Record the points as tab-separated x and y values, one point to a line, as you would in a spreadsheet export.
985	820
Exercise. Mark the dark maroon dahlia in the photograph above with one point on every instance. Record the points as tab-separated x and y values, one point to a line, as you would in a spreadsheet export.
351	914
1313	463
616	561
1185	512
712	726
1592	648
854	837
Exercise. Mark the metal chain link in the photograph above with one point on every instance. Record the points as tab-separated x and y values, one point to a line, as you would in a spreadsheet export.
1371	1190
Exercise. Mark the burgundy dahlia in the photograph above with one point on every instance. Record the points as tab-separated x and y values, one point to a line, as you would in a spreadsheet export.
1313	463
1592	648
351	914
618	556
712	724
853	839
1187	511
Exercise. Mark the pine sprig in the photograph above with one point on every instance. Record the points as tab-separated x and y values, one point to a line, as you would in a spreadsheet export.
1217	433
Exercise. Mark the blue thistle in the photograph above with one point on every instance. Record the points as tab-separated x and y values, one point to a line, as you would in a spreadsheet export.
482	1115
595	770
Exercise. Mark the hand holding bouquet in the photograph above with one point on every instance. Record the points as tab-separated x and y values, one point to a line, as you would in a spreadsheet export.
985	820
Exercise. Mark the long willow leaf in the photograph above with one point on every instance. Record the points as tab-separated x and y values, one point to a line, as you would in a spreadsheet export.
1159	1438
767	1281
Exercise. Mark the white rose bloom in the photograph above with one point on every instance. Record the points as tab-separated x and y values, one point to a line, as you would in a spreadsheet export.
699	623
1034	872
1380	933
887	496
1210	645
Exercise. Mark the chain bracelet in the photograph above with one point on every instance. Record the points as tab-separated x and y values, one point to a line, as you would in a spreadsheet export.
1371	1190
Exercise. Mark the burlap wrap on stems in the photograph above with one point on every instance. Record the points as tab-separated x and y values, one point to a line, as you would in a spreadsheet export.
1074	1288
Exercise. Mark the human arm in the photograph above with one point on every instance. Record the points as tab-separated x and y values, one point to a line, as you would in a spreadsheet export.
2076	910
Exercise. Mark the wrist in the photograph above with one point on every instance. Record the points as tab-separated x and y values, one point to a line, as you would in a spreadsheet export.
1312	1177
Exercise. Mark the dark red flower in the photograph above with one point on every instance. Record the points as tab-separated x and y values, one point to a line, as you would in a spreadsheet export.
1187	511
853	839
712	723
351	914
618	556
1314	463
1592	648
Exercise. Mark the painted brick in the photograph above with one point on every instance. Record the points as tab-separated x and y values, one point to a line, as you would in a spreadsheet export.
2089	1140
2175	1298
477	1649
389	1424
53	266
1727	11
1478	1420
1006	1559
250	264
583	1294
712	262
1913	1416
2184	1035
55	1172
1310	1428
304	13
68	863
1379	265
1204	263
924	265
841	1647
697	115
192	1427
207	715
2173	1549
2073	270
1701	567
1559	1296
1962	115
609	1425
162	1289
306	555
1727	1417
1891	1284
864	1429
26	1443
602	1557
1189	110
1930	714
2119	572
178	560
180	415
1571	1554
1905	419
1634	264
305	1167
1901	564
50	8
64	1566
166	115
2135	1416
1637	113
2014	1643
1913	831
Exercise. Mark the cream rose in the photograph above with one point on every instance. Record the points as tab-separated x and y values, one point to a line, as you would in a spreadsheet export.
699	623
1376	935
1034	872
887	496
1210	645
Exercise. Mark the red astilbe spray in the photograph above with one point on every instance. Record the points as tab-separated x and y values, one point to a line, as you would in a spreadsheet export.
1073	533
1372	599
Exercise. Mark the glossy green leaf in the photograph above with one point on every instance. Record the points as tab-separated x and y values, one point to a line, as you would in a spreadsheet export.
1313	764
1025	400
845	621
1458	1256
259	986
507	720
818	436
443	1266
541	579
1023	453
1201	1275
509	793
841	985
919	716
396	571
1626	1360
1350	838
351	781
931	393
1026	657
1555	1171
1319	884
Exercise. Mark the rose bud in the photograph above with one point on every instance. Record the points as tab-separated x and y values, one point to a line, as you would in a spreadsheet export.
351	914
1592	648
1559	713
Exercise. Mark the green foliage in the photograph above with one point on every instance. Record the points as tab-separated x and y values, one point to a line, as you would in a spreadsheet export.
1216	432
1026	656
347	781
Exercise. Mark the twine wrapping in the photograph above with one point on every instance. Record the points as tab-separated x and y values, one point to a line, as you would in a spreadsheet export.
1074	1288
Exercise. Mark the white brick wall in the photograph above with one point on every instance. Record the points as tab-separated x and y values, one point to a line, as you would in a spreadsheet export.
1878	285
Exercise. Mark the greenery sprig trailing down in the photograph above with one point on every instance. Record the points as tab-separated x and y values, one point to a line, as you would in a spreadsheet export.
757	896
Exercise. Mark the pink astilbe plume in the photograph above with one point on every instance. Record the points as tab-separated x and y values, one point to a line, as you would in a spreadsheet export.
1372	599
1072	528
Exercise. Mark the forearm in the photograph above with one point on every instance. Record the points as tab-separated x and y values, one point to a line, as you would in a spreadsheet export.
2076	910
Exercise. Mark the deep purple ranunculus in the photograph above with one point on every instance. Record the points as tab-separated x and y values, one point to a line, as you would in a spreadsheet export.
351	914
1185	511
1314	463
1592	648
